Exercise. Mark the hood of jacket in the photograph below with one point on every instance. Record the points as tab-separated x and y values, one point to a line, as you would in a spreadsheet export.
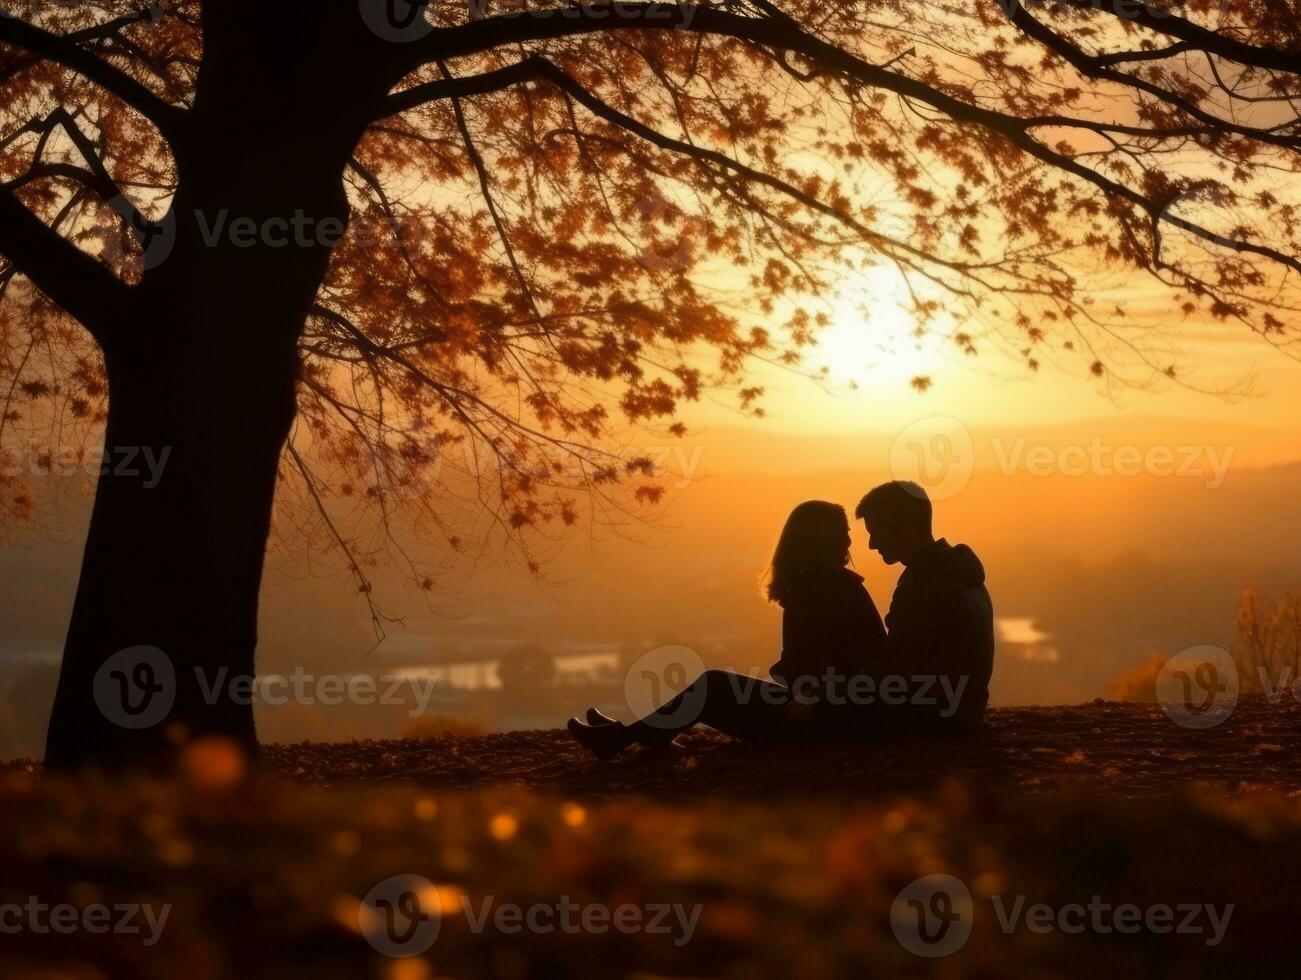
956	562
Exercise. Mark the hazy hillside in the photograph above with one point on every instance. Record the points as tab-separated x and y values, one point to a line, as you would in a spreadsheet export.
1106	568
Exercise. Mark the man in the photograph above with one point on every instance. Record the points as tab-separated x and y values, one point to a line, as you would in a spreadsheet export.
940	627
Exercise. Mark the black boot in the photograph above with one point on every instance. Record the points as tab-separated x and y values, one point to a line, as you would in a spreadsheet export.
603	741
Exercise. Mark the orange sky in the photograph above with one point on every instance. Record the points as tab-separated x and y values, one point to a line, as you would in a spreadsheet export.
881	356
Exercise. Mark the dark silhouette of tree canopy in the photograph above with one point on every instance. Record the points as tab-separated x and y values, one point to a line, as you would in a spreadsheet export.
559	221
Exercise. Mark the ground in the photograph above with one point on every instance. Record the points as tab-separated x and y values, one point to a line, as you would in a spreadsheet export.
1132	749
793	857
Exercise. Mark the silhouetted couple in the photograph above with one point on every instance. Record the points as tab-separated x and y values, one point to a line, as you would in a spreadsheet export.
843	674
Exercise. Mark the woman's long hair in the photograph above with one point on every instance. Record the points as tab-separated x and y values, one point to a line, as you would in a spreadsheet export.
815	539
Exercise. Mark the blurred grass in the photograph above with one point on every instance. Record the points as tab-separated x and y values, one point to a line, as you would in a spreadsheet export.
265	876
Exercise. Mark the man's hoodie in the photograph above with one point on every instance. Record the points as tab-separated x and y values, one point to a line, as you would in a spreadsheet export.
941	626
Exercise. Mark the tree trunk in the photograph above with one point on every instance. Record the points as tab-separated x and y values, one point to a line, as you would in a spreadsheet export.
173	559
161	642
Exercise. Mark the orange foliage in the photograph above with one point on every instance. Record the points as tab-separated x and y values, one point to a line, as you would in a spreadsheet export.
624	222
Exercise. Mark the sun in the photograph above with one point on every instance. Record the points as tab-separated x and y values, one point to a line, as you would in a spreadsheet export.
872	335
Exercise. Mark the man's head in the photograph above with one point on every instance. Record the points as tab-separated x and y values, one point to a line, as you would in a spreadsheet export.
898	520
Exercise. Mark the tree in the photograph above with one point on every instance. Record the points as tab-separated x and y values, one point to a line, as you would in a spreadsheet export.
320	244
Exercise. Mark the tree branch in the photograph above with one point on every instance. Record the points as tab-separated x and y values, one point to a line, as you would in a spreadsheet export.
485	188
1153	54
113	28
446	88
52	47
1195	36
68	276
1091	67
96	178
782	33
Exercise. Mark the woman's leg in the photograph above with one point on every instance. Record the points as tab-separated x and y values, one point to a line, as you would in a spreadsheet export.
735	704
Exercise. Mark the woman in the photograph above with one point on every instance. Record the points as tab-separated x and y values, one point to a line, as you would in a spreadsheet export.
831	632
